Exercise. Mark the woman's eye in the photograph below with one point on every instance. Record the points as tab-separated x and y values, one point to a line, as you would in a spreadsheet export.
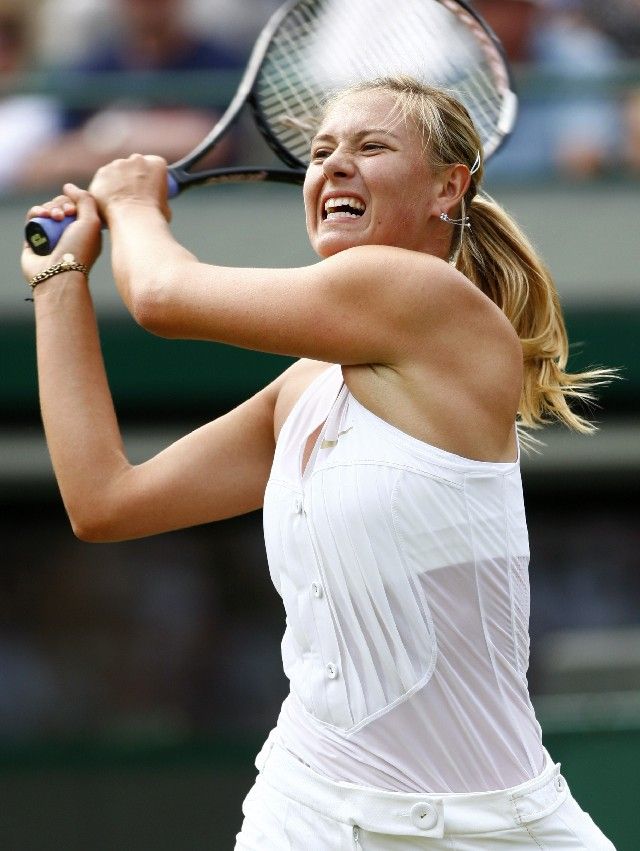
320	154
373	146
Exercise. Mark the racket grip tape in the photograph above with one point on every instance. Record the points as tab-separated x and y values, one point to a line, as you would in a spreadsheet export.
43	234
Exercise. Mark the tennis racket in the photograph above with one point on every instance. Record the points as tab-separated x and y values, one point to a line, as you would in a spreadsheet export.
309	48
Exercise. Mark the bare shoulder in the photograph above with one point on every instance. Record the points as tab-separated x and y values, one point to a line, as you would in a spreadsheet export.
457	378
413	286
397	267
444	353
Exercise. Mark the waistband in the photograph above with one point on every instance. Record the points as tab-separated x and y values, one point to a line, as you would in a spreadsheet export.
415	814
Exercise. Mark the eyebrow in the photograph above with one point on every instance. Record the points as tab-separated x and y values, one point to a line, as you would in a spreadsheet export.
327	137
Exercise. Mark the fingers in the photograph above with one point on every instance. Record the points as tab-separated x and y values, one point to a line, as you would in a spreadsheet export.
133	168
139	178
73	192
80	233
57	208
83	203
73	202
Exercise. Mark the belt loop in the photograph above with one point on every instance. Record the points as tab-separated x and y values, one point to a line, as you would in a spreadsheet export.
542	798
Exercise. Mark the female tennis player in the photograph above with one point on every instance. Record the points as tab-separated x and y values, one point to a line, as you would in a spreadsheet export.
386	459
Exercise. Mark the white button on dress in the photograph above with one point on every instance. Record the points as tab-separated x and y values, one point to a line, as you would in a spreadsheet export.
316	589
424	815
332	671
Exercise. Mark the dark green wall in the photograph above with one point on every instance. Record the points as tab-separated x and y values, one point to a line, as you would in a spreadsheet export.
187	797
149	374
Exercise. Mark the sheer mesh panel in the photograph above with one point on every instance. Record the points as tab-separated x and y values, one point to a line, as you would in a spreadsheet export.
520	586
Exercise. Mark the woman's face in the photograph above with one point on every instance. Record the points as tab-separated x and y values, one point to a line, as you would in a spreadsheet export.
373	163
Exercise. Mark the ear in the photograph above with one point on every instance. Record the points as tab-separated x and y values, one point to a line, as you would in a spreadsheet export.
454	183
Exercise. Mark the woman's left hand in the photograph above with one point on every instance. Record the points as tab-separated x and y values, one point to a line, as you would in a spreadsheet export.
136	180
82	238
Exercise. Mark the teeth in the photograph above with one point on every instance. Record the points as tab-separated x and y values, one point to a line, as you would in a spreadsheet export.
347	201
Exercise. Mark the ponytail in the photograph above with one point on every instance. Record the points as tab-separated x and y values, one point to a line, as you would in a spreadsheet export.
496	256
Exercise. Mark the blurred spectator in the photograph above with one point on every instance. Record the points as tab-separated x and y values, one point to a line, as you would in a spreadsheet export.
619	19
26	121
632	136
575	131
68	26
151	37
238	21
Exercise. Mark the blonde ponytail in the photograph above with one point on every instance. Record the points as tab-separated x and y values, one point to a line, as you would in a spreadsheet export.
501	261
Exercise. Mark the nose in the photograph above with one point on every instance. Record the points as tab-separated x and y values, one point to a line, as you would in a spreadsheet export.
338	164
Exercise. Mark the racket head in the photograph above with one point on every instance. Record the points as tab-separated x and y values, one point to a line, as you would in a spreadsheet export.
316	47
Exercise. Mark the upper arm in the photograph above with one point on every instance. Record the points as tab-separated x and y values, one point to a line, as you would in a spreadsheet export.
218	471
363	305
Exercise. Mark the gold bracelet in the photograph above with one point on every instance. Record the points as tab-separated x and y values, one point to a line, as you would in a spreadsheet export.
67	264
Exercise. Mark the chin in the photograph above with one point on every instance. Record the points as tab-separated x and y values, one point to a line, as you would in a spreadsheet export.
328	245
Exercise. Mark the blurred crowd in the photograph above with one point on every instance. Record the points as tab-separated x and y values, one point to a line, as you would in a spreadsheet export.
575	119
569	56
169	636
85	44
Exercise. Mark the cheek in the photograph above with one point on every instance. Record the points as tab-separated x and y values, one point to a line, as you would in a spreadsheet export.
403	212
309	197
406	196
418	200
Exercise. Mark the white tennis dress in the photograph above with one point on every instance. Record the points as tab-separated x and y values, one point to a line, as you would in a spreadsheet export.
403	572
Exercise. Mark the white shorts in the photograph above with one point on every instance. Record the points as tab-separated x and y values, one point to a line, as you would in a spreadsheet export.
292	808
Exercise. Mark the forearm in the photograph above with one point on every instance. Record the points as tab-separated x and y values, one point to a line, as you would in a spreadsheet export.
146	259
80	423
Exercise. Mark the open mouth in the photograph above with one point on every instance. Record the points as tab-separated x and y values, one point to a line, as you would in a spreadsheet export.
339	208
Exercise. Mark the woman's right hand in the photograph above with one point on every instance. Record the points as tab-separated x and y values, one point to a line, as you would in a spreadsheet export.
83	238
137	179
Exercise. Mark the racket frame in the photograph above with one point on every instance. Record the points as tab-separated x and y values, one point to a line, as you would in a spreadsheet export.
38	230
246	94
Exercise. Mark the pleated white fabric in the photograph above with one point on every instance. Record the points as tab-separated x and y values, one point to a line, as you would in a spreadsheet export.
403	572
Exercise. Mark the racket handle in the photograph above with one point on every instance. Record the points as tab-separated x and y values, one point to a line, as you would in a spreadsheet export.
43	234
173	187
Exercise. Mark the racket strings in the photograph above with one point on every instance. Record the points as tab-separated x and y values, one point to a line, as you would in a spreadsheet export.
324	45
288	96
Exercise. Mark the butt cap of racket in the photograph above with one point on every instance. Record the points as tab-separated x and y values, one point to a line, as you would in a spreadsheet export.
44	234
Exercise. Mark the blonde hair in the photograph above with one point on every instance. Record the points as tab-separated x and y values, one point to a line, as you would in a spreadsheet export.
498	258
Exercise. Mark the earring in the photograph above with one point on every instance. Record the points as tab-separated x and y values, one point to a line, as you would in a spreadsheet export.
463	222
